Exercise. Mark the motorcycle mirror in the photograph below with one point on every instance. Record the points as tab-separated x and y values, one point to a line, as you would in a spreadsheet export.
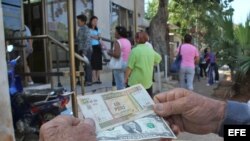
10	48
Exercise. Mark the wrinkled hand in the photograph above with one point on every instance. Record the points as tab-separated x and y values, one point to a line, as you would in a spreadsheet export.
190	112
65	128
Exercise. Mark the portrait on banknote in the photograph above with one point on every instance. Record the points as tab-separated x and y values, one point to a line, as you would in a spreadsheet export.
132	127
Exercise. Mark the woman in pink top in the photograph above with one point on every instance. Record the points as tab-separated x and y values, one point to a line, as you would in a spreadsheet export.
190	56
122	48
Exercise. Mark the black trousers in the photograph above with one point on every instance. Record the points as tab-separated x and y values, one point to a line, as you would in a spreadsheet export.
150	91
216	71
203	68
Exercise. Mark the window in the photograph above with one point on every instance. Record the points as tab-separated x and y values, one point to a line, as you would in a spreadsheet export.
57	16
84	7
57	19
121	17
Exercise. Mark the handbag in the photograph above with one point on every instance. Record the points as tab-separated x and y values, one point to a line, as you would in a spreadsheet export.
116	63
176	65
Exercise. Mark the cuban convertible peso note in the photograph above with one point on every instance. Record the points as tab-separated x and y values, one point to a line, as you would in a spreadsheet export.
115	108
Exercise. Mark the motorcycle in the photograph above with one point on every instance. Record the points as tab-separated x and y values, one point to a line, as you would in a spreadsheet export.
32	108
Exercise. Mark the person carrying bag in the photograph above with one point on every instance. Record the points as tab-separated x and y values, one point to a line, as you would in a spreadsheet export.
120	54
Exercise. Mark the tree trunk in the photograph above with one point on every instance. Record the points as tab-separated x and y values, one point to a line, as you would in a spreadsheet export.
158	30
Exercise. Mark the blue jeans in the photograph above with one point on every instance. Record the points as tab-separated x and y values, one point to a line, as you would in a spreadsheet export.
210	75
119	75
186	77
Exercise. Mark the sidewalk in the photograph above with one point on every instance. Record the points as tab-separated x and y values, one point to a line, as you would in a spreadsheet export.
201	88
106	78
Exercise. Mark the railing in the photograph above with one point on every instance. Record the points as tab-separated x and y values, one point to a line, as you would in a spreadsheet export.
49	58
48	72
49	64
107	40
61	45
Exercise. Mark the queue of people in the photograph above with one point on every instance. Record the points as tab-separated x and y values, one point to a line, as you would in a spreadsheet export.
137	64
183	109
89	46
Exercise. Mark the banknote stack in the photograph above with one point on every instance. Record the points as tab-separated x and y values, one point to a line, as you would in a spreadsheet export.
124	115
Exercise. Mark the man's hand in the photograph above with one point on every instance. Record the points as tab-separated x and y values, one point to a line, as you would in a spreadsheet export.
65	128
190	112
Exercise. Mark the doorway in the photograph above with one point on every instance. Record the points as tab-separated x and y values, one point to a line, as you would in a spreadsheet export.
33	19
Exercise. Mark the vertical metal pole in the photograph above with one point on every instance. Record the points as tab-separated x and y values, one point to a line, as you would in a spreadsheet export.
72	57
166	67
82	78
45	31
50	62
59	84
25	63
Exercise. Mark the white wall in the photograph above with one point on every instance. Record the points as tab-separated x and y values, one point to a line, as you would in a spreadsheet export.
102	11
6	127
128	4
140	12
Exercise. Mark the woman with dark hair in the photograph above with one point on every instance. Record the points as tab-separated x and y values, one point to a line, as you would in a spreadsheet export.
213	73
121	50
96	61
190	57
203	63
141	63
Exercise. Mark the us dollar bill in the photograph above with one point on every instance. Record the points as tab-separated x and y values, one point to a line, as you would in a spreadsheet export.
114	108
146	128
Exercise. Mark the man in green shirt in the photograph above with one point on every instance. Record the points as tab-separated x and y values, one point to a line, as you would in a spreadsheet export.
141	64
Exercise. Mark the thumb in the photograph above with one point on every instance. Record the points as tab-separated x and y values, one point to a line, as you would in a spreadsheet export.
86	125
170	108
89	122
85	131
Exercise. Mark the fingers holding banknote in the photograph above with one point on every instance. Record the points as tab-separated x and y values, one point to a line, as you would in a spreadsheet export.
190	112
68	128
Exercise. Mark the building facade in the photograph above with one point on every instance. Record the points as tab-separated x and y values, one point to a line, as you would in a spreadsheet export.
50	17
128	13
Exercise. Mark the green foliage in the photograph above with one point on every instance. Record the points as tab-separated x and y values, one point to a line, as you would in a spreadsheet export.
211	23
193	15
152	9
226	43
232	42
186	13
242	34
